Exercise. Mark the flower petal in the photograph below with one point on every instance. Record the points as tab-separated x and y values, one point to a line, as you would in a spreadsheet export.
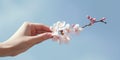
61	31
67	28
61	24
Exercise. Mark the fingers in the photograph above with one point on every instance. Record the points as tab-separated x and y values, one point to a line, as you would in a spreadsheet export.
40	32
41	37
41	27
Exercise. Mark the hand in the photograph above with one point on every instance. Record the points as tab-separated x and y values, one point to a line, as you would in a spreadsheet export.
28	35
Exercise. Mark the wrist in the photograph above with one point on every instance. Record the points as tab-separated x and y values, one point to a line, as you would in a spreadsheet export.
5	49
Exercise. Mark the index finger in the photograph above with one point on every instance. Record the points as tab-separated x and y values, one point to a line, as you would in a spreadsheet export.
42	27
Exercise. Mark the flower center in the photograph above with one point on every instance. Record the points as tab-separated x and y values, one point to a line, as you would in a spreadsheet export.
61	32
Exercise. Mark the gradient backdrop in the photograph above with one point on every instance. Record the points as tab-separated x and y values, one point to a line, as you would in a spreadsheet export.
99	42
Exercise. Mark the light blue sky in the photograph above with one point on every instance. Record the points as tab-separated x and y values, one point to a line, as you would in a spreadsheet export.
99	42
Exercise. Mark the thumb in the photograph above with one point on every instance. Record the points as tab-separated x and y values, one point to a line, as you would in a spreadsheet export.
41	37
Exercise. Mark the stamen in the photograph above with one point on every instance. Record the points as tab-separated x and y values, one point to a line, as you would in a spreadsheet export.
61	32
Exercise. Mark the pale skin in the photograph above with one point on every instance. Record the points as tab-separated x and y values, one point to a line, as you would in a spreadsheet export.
28	35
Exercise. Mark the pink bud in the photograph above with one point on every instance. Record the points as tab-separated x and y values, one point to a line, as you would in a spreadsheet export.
89	17
103	18
94	19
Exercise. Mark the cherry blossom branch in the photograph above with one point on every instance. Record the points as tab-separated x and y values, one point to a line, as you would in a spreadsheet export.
61	31
93	20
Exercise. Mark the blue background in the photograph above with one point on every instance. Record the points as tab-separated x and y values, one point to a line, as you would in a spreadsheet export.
99	42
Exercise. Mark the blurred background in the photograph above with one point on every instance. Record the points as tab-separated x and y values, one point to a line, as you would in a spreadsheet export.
99	42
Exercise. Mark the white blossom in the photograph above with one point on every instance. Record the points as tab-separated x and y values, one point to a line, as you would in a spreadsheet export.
61	31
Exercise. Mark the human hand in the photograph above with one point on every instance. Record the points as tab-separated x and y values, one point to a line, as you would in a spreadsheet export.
28	35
